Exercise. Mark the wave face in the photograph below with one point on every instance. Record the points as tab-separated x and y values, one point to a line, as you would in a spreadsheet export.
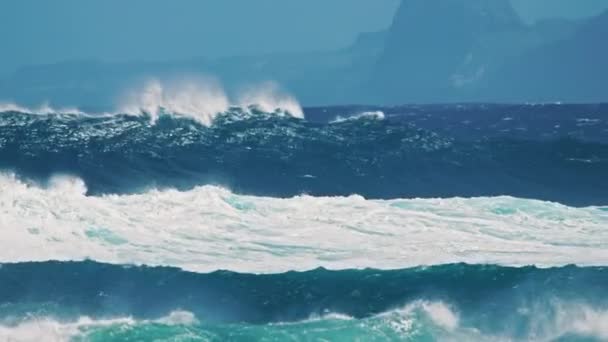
267	154
97	302
209	228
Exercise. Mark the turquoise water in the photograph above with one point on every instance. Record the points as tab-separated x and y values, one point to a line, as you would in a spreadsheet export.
377	329
88	301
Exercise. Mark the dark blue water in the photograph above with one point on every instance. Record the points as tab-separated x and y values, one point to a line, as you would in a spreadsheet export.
414	152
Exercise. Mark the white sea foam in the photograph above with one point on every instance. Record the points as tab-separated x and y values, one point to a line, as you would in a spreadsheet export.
210	228
557	319
585	320
552	321
441	314
51	330
408	319
378	115
546	322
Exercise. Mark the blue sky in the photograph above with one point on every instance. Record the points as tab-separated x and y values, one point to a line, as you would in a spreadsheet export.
40	31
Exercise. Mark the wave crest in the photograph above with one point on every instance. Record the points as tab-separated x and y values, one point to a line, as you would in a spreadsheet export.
268	97
200	99
374	115
204	99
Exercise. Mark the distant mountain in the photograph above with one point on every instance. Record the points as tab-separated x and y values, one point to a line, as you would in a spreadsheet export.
323	77
435	51
435	47
570	70
480	51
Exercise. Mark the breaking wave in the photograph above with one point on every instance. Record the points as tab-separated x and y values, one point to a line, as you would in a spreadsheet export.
209	228
378	115
200	99
204	100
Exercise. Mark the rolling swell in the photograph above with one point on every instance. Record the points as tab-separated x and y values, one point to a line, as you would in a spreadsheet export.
284	156
511	303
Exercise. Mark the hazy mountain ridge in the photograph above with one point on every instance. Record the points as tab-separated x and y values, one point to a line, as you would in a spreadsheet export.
574	69
480	51
438	45
434	51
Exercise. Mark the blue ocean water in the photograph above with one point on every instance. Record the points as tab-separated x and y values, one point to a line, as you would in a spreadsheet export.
131	227
400	157
473	302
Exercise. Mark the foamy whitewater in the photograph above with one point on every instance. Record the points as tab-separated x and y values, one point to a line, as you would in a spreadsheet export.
417	321
209	228
378	115
188	214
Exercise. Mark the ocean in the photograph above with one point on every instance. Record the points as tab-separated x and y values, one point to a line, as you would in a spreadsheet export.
472	222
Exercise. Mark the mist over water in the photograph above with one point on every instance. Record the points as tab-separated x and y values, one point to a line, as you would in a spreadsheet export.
199	98
204	99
